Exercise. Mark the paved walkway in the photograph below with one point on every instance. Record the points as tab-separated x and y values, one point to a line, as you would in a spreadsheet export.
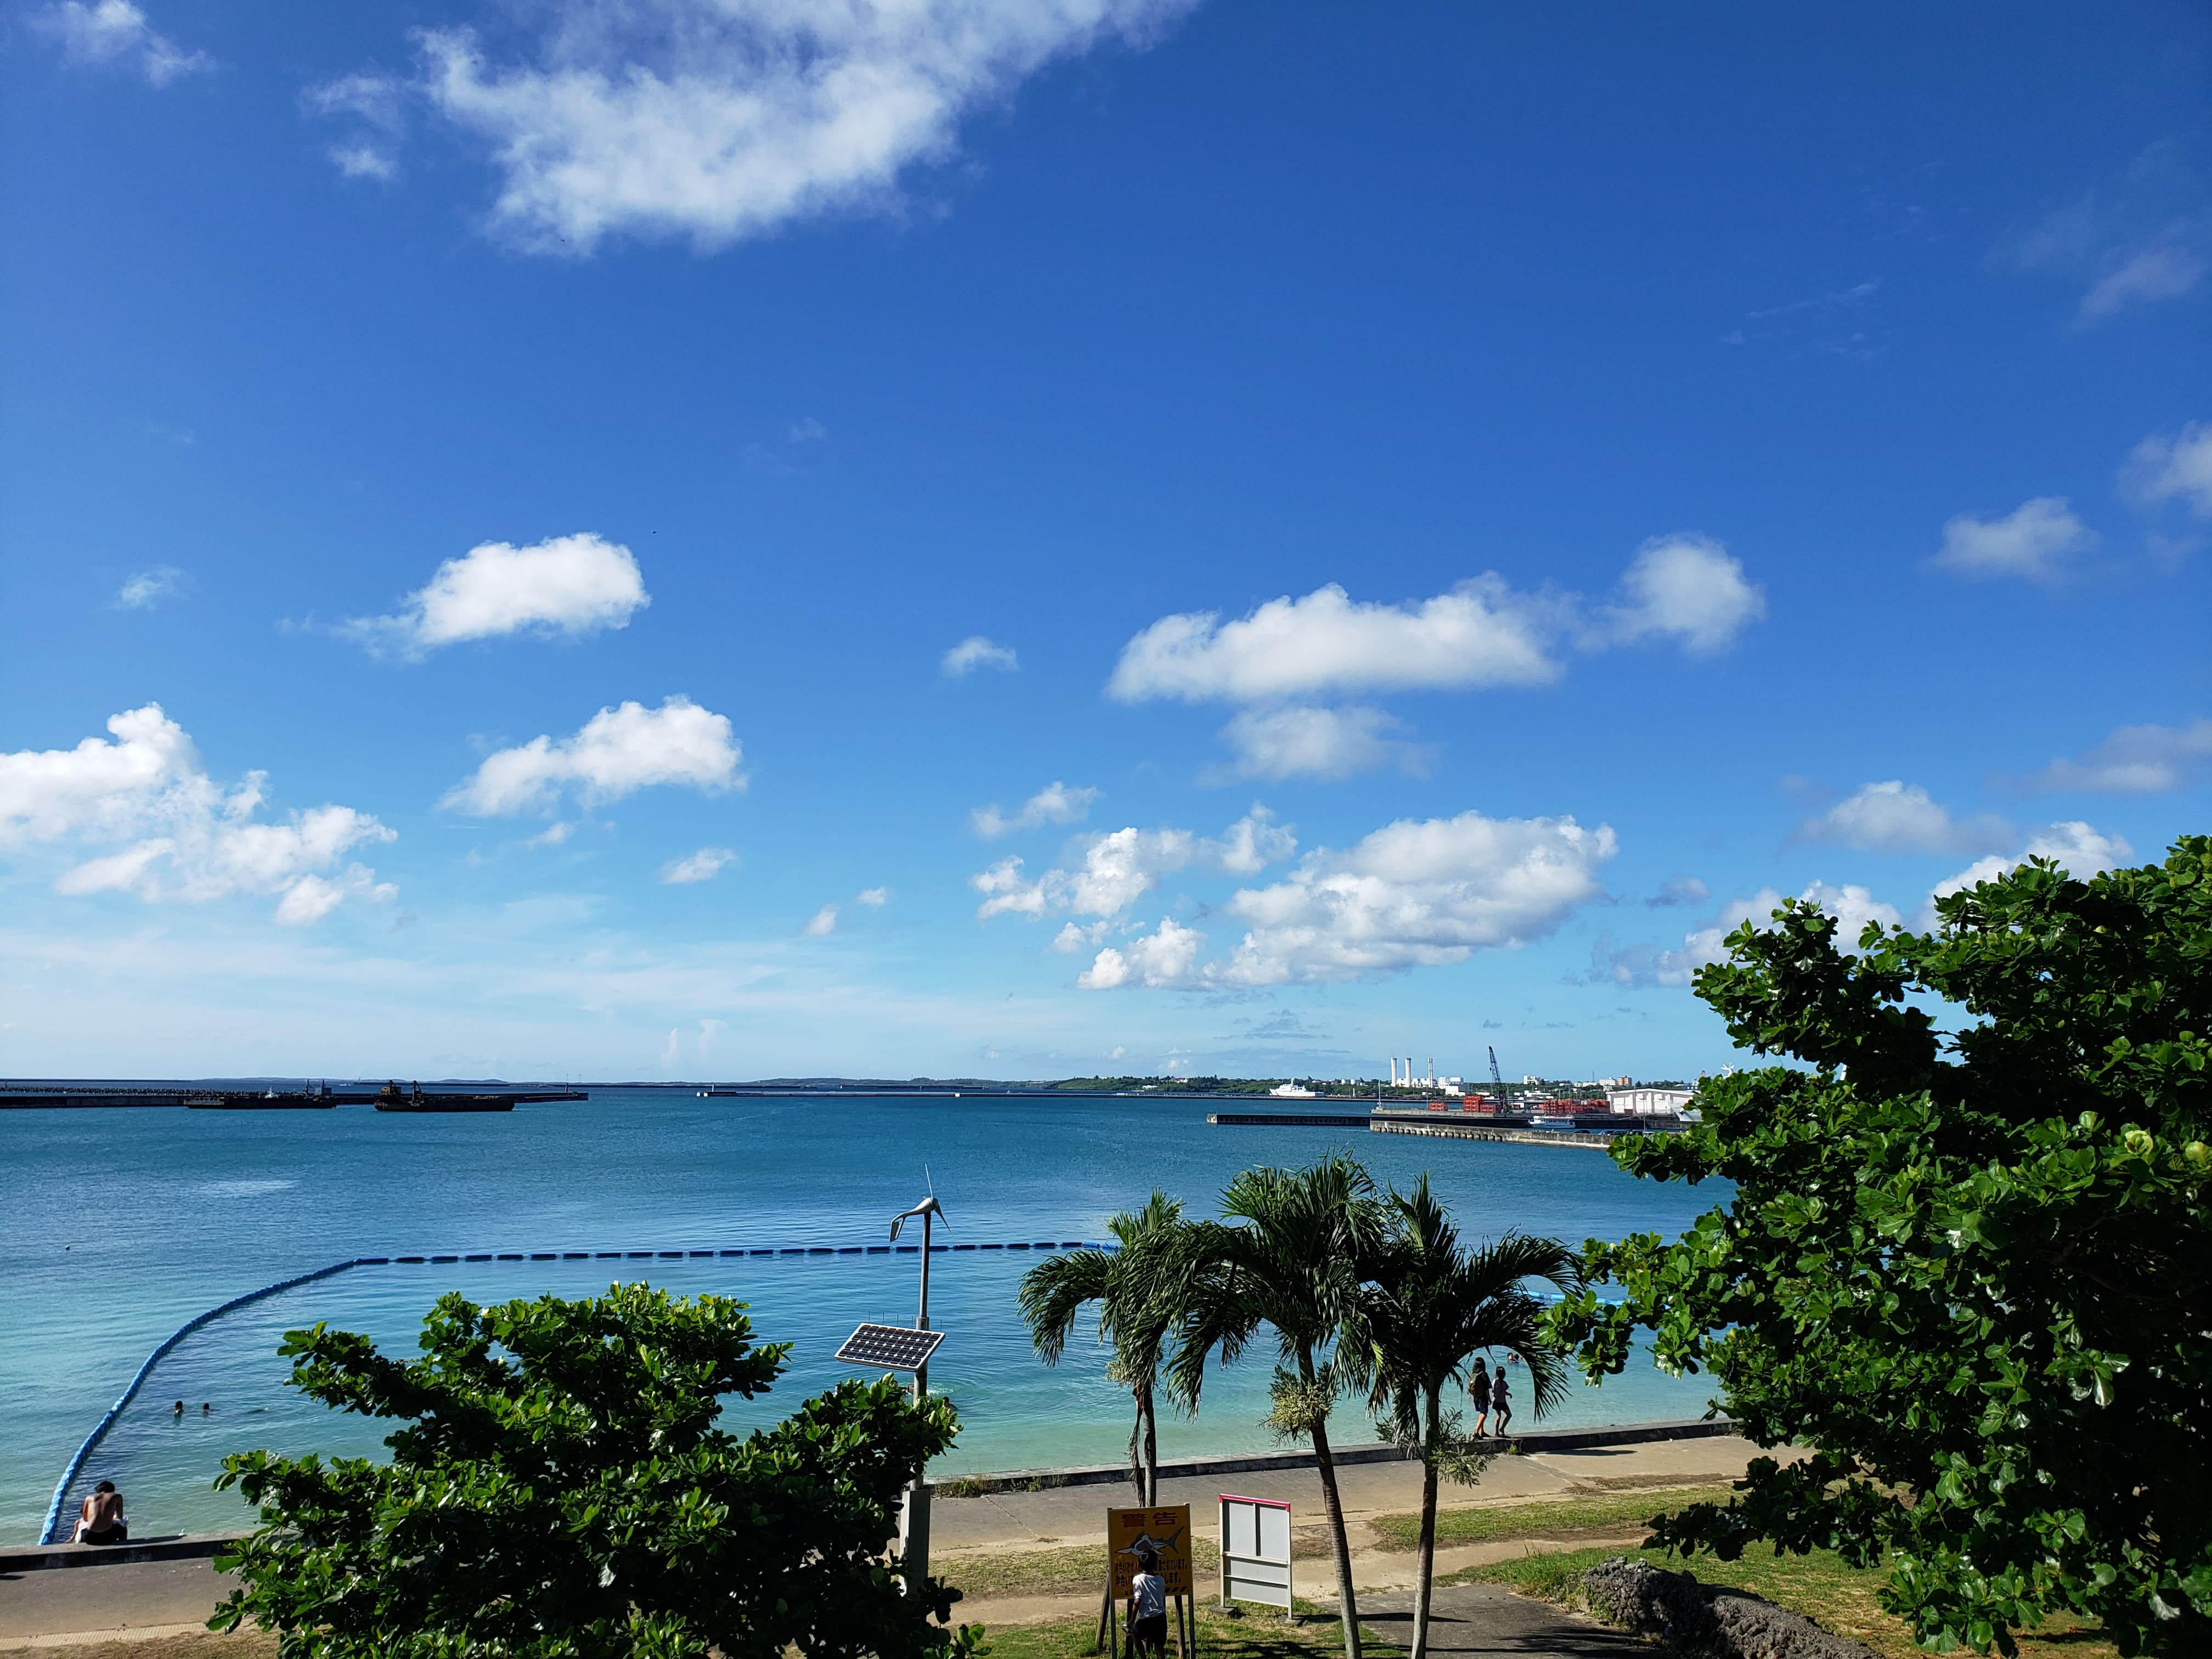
1488	1619
62	1607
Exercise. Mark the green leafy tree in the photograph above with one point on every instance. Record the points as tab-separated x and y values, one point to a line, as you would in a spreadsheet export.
1969	1258
1291	1253
1133	1288
1433	1305
560	1490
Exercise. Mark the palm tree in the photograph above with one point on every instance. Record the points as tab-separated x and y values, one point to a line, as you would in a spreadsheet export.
1433	1305
1134	1289
1296	1262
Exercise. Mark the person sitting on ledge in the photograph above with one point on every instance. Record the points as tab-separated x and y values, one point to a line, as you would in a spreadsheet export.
101	1520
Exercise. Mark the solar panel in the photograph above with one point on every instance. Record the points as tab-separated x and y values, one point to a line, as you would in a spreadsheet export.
894	1347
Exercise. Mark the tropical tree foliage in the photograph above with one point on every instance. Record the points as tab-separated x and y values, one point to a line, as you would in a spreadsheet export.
1968	1261
1291	1253
1134	1288
560	1490
1432	1304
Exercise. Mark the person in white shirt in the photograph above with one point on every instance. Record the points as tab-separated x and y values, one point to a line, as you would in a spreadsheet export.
1148	1607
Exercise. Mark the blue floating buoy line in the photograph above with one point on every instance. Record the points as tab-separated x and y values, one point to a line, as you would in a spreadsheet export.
47	1533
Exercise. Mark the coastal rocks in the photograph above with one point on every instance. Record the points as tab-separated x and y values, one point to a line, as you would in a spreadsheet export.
1703	1621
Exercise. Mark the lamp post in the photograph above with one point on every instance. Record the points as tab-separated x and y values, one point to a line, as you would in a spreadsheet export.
914	1518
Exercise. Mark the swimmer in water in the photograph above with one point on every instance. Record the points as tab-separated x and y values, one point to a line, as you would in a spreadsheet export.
205	1408
178	1410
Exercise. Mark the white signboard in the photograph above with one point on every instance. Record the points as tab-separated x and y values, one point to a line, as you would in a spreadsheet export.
1256	1551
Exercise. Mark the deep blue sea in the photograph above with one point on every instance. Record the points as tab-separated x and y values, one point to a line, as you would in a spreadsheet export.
117	1225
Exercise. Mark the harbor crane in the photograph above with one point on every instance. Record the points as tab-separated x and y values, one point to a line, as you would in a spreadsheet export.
1499	1078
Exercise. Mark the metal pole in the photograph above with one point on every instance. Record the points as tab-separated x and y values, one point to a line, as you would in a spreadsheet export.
913	1544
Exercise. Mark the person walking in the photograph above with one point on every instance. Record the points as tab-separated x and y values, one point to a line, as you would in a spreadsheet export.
1478	1393
1501	1404
1148	1607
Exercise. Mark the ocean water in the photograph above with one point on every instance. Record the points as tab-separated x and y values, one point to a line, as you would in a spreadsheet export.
120	1225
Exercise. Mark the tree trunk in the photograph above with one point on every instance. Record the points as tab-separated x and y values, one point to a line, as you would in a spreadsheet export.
1152	1452
1426	1569
1334	1506
1137	1447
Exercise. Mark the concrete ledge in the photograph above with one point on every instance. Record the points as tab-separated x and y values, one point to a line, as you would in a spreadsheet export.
1541	1440
173	1547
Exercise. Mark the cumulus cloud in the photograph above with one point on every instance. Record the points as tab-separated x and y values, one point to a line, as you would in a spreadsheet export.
702	865
874	897
188	839
1167	957
1288	657
1685	588
1303	742
570	584
616	752
1479	634
822	923
975	652
1054	804
147	588
1118	868
116	33
1639	964
2081	851
1416	893
2034	540
2176	468
2135	760
722	119
1897	816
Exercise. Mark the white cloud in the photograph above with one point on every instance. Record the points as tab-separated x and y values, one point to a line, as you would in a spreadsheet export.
1677	890
2165	469
1120	867
2144	274
616	752
1303	742
1054	804
149	587
1897	816
1686	588
721	119
2135	760
1479	634
1632	965
874	897
571	585
373	106
975	652
2081	851
116	32
189	839
2130	246
1073	936
806	430
1167	957
702	865
2034	540
823	922
1416	894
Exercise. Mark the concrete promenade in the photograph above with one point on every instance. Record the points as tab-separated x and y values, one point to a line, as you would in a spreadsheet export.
106	1599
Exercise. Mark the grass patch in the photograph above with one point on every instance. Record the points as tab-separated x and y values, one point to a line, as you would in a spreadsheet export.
1257	1633
1819	1585
1072	1571
1607	1512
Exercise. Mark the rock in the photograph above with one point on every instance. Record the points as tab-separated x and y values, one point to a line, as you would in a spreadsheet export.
1703	1621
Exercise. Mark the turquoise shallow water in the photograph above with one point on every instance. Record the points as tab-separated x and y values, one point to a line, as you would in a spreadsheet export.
122	1224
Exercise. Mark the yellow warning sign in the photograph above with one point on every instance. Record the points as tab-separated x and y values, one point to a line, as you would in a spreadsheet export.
1164	1531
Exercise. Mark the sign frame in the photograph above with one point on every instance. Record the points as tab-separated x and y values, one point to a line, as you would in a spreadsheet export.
1256	1551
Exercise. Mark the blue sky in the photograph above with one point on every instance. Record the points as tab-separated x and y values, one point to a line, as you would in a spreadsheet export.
716	539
